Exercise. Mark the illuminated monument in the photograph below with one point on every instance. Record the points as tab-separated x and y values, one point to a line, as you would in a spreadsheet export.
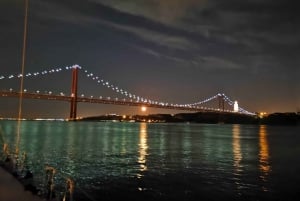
236	106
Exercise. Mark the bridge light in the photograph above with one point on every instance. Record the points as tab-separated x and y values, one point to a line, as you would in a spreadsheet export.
50	92
10	89
25	90
37	91
143	109
82	95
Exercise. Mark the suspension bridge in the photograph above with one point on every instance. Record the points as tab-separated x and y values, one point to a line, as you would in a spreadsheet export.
129	99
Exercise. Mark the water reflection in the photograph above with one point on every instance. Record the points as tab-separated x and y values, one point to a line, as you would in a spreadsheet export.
236	146
186	147
264	157
143	147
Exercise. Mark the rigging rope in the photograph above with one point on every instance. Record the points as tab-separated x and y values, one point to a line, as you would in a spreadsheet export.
22	77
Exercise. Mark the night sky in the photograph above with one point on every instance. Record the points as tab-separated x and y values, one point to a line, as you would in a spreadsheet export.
177	51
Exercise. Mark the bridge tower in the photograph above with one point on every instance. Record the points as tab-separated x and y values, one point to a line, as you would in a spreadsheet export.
73	109
221	102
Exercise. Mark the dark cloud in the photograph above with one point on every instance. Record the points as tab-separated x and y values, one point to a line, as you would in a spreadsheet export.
168	11
248	27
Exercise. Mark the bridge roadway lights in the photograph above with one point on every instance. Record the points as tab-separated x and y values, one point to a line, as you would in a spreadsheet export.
69	99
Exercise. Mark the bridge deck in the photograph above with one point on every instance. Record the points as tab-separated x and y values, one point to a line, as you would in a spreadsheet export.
52	97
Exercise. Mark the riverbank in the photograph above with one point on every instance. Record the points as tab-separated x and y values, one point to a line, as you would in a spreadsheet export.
205	117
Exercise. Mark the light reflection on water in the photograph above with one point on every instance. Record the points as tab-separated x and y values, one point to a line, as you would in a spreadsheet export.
236	146
142	148
263	155
192	159
264	164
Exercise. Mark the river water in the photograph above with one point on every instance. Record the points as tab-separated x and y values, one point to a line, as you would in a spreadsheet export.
145	161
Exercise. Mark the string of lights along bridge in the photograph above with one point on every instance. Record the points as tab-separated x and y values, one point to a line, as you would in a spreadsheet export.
130	99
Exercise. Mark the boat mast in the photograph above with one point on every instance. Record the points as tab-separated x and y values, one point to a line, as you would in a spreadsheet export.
22	75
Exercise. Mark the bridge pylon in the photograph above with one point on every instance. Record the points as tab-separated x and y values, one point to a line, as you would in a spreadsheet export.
73	108
221	102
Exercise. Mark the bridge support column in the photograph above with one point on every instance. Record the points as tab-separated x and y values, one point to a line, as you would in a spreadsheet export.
73	109
221	102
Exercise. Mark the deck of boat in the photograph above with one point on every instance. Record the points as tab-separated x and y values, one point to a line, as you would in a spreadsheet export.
11	189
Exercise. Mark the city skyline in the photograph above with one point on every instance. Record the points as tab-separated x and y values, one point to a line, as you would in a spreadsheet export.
170	51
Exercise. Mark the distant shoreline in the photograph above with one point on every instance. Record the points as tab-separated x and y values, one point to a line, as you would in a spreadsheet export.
287	118
201	117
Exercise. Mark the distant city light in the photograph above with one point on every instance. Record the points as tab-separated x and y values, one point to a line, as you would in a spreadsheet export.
262	114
